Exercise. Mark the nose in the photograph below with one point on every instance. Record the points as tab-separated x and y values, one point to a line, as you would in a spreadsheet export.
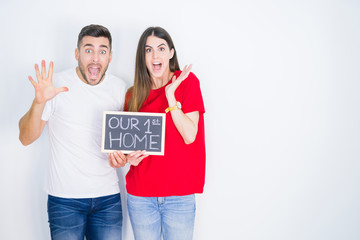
154	54
95	57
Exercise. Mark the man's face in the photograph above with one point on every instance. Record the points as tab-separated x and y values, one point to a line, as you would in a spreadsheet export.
94	56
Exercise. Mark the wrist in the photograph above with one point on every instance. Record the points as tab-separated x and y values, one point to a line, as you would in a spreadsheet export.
38	104
171	100
177	106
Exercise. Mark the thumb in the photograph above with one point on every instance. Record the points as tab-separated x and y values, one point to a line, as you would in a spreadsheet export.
62	89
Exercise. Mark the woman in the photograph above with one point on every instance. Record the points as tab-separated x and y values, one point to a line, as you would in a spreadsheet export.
161	189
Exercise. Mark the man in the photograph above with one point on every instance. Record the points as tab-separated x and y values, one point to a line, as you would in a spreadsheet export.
84	195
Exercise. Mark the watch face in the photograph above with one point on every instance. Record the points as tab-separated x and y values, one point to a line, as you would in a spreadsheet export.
178	104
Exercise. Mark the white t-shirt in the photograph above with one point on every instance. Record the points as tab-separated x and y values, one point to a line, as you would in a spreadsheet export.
78	168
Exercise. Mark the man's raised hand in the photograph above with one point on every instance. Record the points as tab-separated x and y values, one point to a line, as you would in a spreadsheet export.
44	88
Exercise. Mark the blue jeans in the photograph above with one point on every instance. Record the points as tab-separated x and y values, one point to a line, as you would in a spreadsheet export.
95	218
173	217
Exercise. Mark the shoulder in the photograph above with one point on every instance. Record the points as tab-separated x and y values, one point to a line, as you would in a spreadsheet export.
113	78
64	77
129	92
190	80
115	81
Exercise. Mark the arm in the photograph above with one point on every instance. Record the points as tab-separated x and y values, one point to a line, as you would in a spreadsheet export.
186	124
31	125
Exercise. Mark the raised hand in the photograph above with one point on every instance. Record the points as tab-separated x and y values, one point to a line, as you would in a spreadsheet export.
44	88
170	89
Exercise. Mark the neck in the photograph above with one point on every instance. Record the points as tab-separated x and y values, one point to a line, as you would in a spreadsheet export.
162	81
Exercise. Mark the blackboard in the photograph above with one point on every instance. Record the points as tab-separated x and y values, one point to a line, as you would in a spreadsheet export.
131	131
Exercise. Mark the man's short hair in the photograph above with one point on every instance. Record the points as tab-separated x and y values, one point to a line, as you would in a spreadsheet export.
94	30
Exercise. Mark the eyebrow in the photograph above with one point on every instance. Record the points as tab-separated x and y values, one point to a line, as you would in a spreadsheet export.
91	45
157	46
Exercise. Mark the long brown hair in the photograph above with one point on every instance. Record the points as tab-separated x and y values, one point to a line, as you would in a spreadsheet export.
142	82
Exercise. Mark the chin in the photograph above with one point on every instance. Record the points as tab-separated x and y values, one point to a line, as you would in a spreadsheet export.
94	82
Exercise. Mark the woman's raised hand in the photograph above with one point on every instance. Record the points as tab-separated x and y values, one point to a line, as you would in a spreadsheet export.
44	88
170	89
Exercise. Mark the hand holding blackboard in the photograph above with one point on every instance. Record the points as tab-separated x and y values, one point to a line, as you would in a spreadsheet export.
117	159
131	131
135	158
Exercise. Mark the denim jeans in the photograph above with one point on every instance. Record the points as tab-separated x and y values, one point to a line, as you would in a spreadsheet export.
172	217
95	218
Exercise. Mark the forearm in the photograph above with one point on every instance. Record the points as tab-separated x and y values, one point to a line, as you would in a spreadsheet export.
186	124
30	125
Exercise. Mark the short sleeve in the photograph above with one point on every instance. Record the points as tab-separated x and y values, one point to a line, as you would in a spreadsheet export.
191	97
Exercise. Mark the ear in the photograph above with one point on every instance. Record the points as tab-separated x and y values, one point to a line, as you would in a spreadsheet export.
110	56
76	54
172	52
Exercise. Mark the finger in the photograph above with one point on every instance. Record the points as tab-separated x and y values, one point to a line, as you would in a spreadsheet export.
122	163
186	71
139	160
43	69
139	157
61	89
190	67
32	81
51	68
116	163
110	160
119	156
113	161
133	154
142	157
138	154
37	72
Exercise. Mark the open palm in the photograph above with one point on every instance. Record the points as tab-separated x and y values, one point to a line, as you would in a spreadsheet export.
170	89
44	88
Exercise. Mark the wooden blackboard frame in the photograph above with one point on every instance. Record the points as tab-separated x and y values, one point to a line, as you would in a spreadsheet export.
162	115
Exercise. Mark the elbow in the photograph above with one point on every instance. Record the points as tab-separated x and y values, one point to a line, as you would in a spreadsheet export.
24	141
190	137
190	140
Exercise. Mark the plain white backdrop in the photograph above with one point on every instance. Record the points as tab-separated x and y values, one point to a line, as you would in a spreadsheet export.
280	81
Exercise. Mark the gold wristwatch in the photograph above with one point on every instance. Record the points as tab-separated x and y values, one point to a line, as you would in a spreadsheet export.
177	106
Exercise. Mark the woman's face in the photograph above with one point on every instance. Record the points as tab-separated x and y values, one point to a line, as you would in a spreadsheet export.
157	57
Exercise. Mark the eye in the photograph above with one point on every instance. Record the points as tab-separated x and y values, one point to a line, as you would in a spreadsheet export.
162	49
88	51
103	52
147	50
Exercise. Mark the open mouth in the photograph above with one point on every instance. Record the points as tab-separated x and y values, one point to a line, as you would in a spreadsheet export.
157	66
94	72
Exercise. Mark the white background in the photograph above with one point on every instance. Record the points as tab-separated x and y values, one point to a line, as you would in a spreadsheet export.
280	81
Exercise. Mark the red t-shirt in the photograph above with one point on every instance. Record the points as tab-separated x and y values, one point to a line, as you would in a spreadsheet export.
181	171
